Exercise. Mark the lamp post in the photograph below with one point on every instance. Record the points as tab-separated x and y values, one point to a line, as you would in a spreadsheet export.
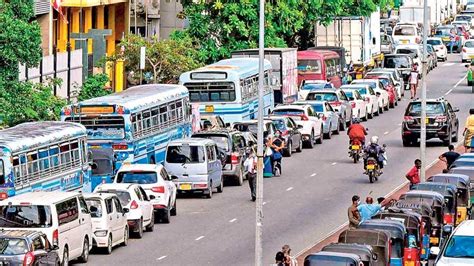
423	93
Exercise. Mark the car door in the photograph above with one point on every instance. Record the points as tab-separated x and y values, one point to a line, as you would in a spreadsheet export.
40	243
170	191
148	207
452	117
120	220
347	105
332	116
293	129
111	219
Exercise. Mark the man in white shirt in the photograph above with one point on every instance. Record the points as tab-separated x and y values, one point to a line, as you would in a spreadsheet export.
251	165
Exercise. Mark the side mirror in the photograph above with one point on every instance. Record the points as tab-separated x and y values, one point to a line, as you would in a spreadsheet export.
384	145
151	197
455	109
447	229
377	93
251	143
299	126
173	177
55	247
351	98
125	210
93	209
434	251
94	166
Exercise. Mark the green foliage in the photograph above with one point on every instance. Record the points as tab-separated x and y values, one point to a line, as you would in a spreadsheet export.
94	86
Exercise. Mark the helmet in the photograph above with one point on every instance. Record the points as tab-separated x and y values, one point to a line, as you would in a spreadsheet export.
355	120
374	139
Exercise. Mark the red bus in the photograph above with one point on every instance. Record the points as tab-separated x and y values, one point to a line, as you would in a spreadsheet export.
319	65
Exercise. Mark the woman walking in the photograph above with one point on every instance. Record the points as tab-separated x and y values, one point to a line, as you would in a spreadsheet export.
267	158
469	132
277	147
414	76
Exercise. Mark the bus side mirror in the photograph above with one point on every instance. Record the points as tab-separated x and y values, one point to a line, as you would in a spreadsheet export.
94	166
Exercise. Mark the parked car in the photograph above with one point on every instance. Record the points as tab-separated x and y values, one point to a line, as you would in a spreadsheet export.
412	50
369	96
290	132
212	122
231	143
439	47
195	165
140	215
466	18
338	100
394	92
158	186
467	52
304	116
443	33
359	105
382	95
68	224
459	248
309	85
441	122
332	258
252	126
109	221
402	62
396	77
386	44
406	34
327	114
28	248
431	57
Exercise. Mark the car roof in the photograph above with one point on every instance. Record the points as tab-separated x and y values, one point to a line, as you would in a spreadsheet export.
408	46
216	131
116	186
354	86
40	197
143	166
323	91
189	141
363	80
310	102
292	106
98	195
466	228
18	233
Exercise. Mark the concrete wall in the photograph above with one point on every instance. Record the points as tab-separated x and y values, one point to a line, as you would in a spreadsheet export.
168	20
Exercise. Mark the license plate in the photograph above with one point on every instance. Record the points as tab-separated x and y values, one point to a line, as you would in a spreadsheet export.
404	41
434	240
409	263
445	39
209	108
471	56
427	120
370	167
355	147
185	186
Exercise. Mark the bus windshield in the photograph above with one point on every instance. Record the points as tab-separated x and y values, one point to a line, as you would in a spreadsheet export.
211	91
102	127
309	66
27	216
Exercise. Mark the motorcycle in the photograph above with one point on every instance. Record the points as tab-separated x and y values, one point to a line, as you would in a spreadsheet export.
355	150
372	166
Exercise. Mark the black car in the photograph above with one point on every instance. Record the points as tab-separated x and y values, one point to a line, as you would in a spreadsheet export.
402	62
232	144
252	126
441	122
290	133
22	247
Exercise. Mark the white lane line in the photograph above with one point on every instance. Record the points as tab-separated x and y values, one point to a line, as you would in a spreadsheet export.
263	203
233	220
290	188
386	132
448	64
199	238
313	174
162	257
334	163
457	84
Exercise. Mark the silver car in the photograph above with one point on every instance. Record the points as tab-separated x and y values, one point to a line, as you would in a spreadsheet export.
327	114
386	44
338	100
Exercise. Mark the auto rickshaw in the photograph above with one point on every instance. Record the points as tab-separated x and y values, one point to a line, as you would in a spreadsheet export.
469	171
365	252
418	239
332	258
462	162
463	198
397	232
378	240
437	205
449	193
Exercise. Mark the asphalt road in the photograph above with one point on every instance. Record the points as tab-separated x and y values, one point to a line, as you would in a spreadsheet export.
302	206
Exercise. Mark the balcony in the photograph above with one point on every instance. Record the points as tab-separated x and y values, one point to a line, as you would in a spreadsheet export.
42	7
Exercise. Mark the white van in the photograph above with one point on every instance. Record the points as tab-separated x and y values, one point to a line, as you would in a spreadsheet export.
62	216
196	164
406	33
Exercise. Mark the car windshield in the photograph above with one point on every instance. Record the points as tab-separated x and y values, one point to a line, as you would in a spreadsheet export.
469	44
431	108
443	31
313	86
13	246
385	40
373	85
349	93
396	62
434	42
25	216
246	127
102	167
384	82
404	30
309	66
288	111
460	247
137	177
123	196
222	141
411	52
322	96
318	107
185	154
463	18
95	207
279	124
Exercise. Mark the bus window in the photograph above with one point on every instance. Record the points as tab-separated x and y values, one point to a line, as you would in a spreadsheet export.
309	66
43	155
212	92
75	151
32	163
146	119
155	117
330	67
2	172
54	154
65	154
179	109
172	110
163	114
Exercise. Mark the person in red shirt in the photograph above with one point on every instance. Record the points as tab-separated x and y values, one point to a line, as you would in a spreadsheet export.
414	174
356	132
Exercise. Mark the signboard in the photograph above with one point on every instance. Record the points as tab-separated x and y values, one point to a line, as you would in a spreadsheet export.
142	57
209	75
94	110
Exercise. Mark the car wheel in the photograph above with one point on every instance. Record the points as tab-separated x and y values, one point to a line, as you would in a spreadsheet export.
139	234
108	249
381	109
300	146
65	257
209	191
220	189
329	134
125	237
240	178
342	124
165	216
387	106
448	140
366	117
289	149
455	137
310	142
174	210
85	251
391	105
349	123
406	143
376	113
320	139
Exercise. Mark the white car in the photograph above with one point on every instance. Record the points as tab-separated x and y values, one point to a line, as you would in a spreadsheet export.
406	34
140	214
369	96
305	116
411	49
440	48
157	184
389	74
309	85
109	220
359	105
467	52
459	247
464	18
382	95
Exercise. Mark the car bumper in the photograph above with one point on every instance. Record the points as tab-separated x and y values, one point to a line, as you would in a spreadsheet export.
184	186
100	241
133	225
441	133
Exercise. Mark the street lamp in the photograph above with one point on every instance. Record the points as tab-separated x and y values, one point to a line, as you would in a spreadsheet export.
423	94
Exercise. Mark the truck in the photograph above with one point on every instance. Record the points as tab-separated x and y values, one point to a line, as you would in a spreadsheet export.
284	68
360	36
414	14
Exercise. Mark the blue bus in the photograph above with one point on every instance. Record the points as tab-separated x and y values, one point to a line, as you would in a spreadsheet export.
132	126
229	88
43	156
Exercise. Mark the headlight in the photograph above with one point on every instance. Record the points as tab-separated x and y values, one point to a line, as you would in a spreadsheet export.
100	233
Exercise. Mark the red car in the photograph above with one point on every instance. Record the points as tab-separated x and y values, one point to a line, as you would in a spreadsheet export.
389	87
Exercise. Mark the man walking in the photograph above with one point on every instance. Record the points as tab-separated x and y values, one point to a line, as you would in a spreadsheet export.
353	213
414	174
251	165
449	157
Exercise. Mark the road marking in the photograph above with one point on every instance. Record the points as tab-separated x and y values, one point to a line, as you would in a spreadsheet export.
263	203
290	188
233	220
448	64
334	163
162	257
313	174
386	132
199	238
457	84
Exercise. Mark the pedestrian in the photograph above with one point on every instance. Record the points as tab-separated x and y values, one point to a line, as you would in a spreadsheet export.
289	260
414	76
449	157
369	209
280	259
414	174
278	144
452	40
353	213
251	165
469	132
267	158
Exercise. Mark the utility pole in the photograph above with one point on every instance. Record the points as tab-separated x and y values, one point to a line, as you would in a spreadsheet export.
259	201
423	94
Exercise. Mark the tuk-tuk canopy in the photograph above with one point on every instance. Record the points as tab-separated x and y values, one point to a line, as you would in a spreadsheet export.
365	252
395	228
417	206
434	199
459	180
410	219
445	189
465	170
379	240
323	257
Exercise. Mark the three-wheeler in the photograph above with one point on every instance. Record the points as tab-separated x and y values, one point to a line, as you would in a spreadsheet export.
378	240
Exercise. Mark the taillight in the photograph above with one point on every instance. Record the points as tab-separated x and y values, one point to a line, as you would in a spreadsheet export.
134	205
441	118
370	162
234	158
3	195
120	146
464	50
55	238
29	259
409	119
304	118
324	118
336	103
353	104
159	189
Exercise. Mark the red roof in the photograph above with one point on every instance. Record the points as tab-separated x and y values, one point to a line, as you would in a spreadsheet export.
317	54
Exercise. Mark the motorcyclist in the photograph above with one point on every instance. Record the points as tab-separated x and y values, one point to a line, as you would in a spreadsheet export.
356	132
375	151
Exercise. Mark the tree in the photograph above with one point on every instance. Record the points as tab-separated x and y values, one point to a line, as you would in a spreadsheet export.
94	86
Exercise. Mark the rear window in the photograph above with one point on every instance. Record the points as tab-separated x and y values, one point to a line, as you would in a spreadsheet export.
279	124
322	96
95	207
396	62
137	177
431	108
404	30
411	52
373	85
312	66
314	86
185	154
318	107
469	44
123	196
434	42
250	127
443	31
222	141
25	216
288	112
13	246
102	167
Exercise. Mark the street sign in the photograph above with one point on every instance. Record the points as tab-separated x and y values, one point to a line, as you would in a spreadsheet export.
142	57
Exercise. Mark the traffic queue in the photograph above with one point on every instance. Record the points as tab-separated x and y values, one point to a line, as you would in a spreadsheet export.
430	221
